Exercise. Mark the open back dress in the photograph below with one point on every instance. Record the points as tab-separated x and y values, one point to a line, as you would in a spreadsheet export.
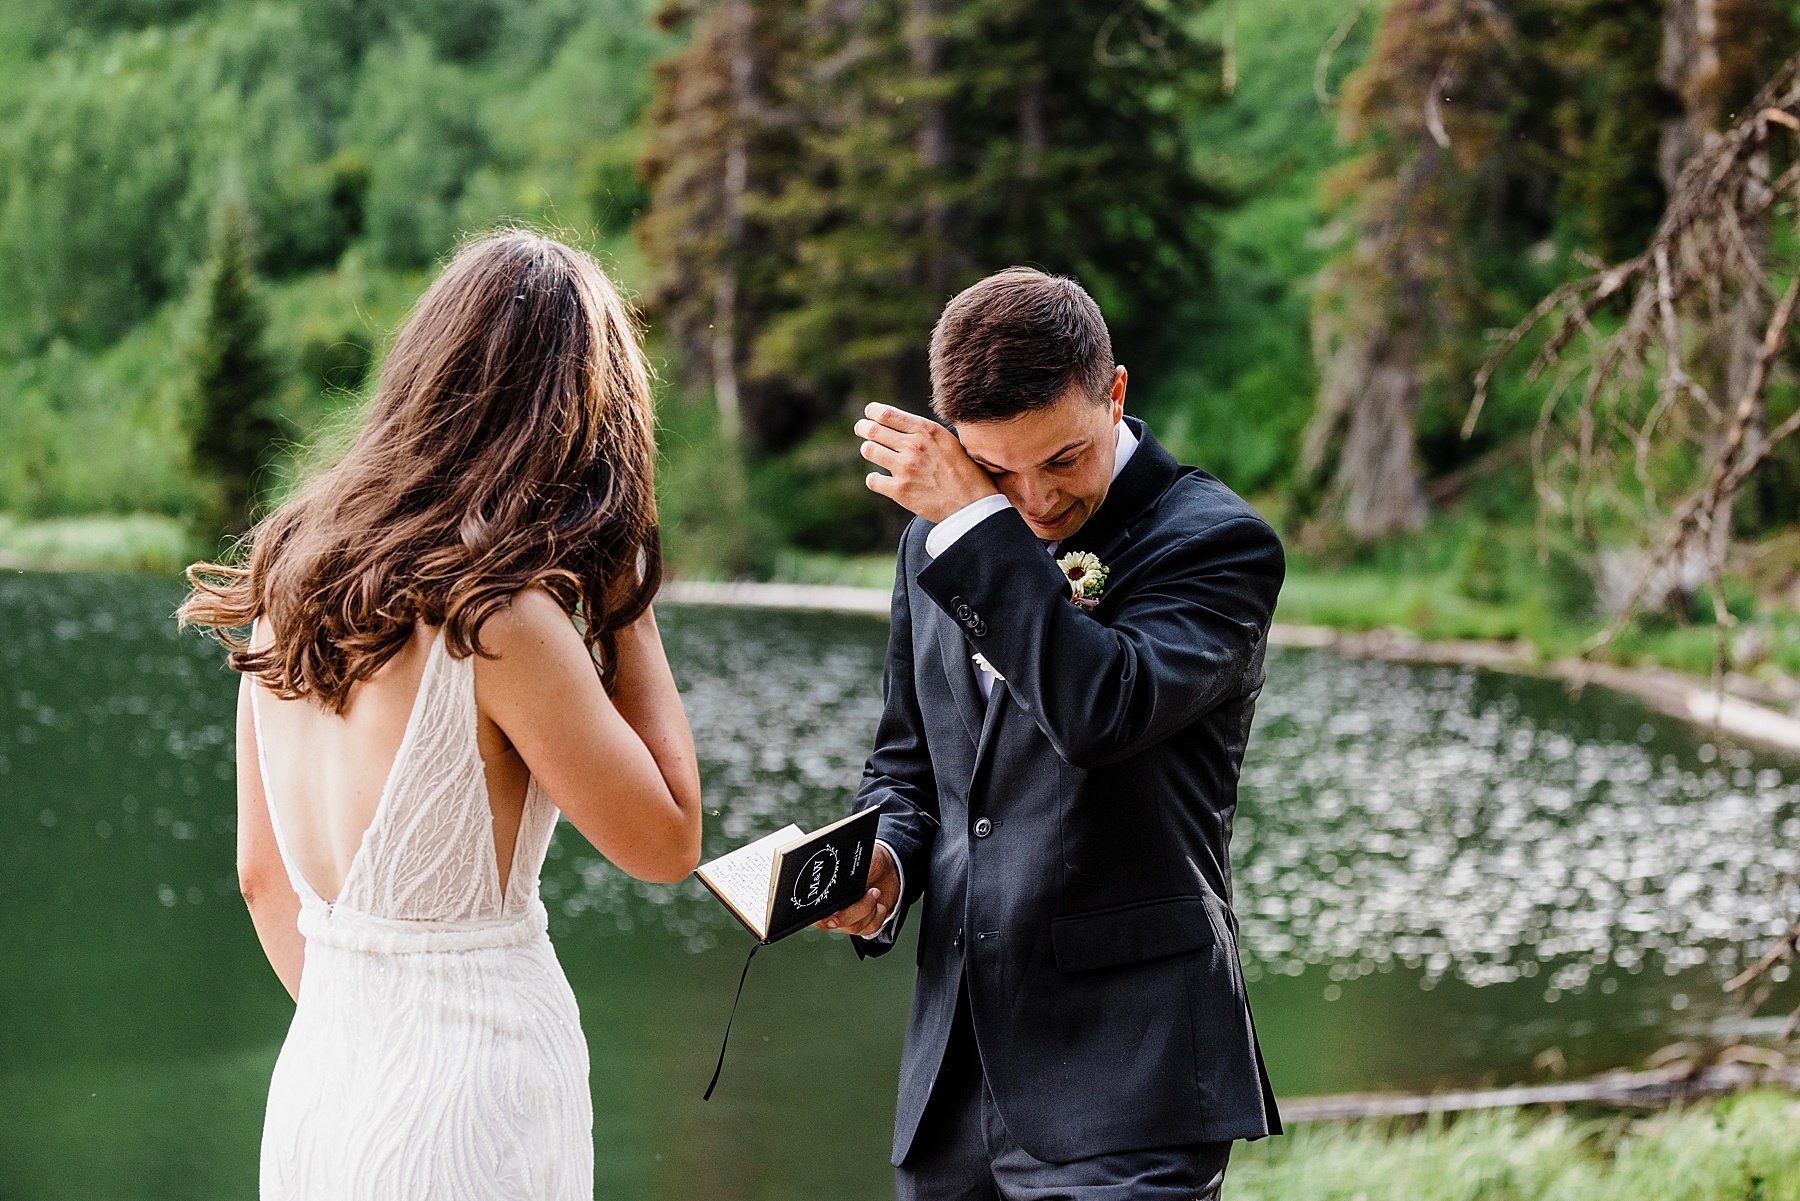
436	1051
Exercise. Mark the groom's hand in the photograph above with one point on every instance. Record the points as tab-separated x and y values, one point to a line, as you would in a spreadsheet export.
929	472
867	915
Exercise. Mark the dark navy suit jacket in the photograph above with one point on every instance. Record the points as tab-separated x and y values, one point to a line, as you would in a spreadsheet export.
1073	867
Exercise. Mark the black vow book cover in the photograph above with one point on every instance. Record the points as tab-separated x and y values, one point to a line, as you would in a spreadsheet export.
784	882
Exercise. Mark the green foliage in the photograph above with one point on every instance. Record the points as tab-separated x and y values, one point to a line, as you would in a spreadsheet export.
1608	122
359	136
116	150
1237	382
1734	1150
234	377
817	501
1470	573
709	527
1500	148
32	28
1498	565
99	433
614	191
100	164
423	115
1771	502
1235	392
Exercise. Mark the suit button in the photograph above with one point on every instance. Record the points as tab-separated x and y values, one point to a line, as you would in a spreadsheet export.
983	827
978	628
956	942
961	608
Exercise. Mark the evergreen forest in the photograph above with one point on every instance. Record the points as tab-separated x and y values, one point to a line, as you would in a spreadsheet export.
1311	224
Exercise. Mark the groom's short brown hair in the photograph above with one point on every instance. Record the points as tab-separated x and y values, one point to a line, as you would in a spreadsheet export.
1016	341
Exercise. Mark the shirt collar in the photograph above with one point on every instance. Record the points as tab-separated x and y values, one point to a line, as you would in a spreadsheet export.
1123	447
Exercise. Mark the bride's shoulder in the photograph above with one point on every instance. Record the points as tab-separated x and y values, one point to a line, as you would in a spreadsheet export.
532	625
534	669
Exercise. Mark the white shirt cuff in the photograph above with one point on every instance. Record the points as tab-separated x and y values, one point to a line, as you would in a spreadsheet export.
889	928
947	531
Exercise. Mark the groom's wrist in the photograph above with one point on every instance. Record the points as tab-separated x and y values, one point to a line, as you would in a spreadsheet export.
890	927
996	566
945	533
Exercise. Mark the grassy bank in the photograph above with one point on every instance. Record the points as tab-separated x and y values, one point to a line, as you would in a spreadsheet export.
1432	608
1741	1149
147	542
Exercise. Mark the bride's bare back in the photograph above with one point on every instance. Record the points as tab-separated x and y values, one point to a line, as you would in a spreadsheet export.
327	771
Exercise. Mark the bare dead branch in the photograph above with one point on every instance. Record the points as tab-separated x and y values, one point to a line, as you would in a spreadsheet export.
1783	948
1706	266
1334	43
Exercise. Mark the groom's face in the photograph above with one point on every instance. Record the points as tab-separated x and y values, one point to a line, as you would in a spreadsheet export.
1054	464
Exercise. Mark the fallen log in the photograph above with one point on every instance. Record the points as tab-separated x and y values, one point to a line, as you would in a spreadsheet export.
1616	1090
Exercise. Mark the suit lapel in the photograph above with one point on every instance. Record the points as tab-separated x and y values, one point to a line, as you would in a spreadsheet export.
989	724
959	673
1145	478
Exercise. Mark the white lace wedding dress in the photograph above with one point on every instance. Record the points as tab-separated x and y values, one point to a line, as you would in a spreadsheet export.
436	1051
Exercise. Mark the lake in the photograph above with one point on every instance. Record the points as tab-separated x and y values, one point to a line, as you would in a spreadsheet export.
1445	877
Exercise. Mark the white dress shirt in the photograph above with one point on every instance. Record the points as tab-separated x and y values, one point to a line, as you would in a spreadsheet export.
941	537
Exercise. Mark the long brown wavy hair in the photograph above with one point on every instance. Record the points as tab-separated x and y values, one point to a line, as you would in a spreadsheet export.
510	443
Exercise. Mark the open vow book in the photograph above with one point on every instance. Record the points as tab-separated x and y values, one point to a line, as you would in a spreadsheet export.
786	881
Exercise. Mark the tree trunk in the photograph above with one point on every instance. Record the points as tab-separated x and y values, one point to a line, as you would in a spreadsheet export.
925	46
1690	69
1366	422
735	186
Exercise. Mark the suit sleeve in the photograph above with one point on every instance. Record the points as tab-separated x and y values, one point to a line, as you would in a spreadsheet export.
898	775
1149	662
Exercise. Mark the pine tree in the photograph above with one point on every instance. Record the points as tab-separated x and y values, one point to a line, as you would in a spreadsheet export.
1489	134
716	142
1428	106
1604	109
896	153
234	377
946	141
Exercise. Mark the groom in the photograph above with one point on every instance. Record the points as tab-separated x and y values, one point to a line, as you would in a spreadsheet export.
1058	771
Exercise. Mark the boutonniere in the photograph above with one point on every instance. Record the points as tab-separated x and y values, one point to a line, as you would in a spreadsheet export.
1087	577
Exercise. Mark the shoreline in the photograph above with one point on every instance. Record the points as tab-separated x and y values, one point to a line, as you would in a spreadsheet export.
1670	692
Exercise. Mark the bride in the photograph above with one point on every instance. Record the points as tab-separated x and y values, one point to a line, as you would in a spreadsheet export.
450	643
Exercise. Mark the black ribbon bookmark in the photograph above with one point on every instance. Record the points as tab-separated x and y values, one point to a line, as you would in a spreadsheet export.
726	1041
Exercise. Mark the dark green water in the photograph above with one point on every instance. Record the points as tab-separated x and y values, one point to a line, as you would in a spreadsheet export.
1441	874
